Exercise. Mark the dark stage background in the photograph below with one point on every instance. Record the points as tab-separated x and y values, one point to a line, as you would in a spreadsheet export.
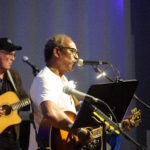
140	25
117	31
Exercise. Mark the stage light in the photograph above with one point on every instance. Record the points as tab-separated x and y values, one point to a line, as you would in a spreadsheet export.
101	74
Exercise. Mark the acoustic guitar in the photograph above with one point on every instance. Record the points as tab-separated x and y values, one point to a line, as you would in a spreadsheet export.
11	103
56	139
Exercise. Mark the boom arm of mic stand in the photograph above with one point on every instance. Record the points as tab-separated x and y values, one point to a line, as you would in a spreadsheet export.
35	71
108	78
135	97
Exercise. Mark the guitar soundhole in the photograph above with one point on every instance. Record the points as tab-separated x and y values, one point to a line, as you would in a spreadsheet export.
7	109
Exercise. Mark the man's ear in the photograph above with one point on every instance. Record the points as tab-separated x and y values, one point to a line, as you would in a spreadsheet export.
56	52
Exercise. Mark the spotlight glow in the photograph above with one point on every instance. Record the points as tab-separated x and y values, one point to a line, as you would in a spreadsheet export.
101	74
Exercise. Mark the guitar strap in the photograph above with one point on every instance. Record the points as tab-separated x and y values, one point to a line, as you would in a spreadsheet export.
76	102
16	127
12	81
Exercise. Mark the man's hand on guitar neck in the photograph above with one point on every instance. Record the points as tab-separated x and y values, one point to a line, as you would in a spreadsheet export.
85	136
127	123
1	111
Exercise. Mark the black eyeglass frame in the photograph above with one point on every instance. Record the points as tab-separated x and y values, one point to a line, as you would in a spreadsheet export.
73	50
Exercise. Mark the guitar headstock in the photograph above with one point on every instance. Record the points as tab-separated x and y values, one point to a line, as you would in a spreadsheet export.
136	116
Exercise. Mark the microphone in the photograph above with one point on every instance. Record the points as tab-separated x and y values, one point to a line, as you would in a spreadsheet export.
82	62
70	91
25	59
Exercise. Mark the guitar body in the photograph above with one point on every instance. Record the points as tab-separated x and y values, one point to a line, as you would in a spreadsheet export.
10	117
55	139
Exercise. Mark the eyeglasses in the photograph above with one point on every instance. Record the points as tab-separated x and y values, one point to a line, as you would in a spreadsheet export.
73	51
10	55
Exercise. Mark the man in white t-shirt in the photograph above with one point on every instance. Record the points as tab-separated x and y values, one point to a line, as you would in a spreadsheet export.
49	102
54	110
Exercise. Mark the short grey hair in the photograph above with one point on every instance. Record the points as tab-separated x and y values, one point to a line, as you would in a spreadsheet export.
54	41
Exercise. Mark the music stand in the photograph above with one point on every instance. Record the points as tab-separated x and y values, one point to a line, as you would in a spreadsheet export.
117	95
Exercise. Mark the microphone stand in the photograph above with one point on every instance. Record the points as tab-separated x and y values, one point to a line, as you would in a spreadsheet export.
135	97
35	71
101	114
31	116
96	69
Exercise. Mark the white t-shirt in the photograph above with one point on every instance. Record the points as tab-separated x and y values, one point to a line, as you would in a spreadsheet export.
48	86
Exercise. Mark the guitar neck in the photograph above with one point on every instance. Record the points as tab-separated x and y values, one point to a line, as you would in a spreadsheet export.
20	104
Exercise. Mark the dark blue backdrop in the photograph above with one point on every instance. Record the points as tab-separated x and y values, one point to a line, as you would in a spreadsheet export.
101	30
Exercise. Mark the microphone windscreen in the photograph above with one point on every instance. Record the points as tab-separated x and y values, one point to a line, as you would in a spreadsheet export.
80	62
25	58
67	90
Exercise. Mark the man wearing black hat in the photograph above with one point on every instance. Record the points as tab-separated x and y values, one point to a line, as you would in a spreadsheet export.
10	80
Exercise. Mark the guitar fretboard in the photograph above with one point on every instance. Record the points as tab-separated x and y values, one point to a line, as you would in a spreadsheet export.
20	104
